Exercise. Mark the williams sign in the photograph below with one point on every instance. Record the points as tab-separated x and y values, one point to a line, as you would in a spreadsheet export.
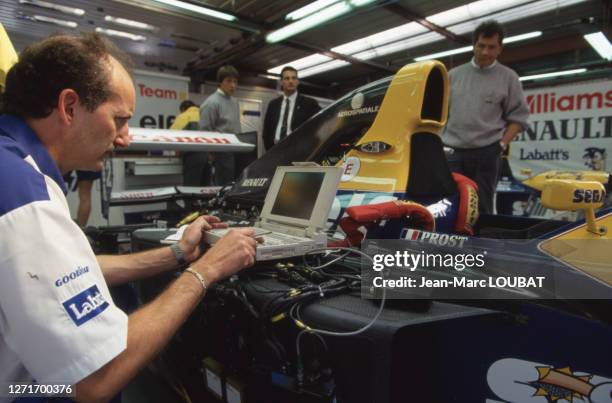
569	127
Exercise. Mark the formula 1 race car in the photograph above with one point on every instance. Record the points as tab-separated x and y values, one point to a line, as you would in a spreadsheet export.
386	137
519	345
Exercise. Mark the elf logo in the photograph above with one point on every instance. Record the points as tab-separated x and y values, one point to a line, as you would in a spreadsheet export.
85	305
433	238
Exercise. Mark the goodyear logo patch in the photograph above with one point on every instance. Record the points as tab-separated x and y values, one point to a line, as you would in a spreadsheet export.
85	305
71	276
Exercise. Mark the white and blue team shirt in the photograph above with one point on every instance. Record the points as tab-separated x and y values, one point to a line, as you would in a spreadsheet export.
58	322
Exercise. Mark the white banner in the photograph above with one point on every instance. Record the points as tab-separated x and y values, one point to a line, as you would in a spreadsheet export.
570	128
185	140
250	115
158	97
143	194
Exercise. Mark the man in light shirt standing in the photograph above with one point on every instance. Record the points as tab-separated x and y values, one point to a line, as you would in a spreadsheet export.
487	109
220	112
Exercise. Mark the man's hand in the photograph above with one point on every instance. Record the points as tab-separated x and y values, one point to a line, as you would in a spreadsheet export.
192	237
503	148
229	255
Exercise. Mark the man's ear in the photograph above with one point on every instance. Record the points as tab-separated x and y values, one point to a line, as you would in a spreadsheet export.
67	103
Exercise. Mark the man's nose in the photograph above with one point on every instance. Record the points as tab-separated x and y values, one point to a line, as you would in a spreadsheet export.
123	137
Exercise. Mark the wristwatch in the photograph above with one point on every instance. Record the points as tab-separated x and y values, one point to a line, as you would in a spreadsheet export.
503	145
178	253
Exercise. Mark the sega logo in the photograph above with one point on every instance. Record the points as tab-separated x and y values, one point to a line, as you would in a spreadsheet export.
588	196
85	305
69	277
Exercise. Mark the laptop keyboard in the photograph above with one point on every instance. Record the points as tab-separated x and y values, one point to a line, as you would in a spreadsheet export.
270	238
276	238
222	231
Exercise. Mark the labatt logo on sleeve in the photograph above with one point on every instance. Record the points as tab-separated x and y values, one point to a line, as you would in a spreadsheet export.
85	305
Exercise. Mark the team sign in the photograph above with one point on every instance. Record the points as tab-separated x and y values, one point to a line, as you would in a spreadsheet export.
158	97
570	128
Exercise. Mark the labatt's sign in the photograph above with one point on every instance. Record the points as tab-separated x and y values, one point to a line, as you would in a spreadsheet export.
570	128
158	97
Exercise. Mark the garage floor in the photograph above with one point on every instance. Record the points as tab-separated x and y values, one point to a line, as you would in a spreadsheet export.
148	387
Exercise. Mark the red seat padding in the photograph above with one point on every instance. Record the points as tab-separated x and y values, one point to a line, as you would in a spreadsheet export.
360	218
467	215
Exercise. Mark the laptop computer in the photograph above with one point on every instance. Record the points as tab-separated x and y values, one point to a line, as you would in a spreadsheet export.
293	217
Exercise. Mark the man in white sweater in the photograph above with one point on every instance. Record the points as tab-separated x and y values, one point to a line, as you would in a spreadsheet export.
487	110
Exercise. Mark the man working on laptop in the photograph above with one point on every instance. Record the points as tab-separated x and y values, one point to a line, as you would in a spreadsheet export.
66	106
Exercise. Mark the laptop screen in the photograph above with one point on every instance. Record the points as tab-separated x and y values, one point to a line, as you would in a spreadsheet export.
298	194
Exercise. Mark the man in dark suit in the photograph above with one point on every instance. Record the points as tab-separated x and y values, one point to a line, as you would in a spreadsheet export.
278	124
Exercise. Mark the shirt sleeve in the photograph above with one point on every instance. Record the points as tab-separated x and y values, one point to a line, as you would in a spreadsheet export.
208	116
180	122
515	105
56	312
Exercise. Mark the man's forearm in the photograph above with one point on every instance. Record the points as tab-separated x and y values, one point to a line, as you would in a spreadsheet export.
151	327
511	131
119	269
149	330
